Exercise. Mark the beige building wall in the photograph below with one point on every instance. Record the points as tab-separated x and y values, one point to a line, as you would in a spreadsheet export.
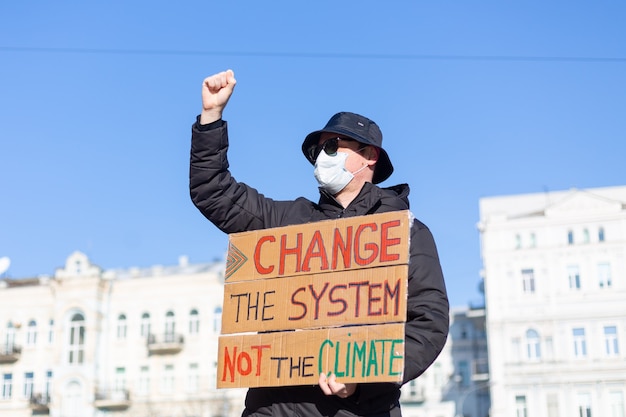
135	342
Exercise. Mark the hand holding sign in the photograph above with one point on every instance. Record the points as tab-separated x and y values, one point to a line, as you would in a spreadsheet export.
330	386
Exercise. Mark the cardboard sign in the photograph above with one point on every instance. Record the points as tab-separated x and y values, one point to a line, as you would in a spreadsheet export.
327	296
367	296
355	354
320	247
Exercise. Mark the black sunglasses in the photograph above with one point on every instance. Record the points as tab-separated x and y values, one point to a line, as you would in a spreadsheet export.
330	147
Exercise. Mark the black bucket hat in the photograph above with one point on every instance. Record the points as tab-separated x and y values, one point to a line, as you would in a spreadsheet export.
362	130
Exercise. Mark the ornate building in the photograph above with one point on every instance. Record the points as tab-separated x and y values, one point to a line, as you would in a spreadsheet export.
136	342
555	285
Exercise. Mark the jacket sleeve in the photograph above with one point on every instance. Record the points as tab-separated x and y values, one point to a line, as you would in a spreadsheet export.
427	323
230	205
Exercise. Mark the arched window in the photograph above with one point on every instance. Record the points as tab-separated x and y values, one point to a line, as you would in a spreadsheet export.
194	321
121	326
170	326
76	339
586	237
570	237
601	234
145	325
31	333
533	345
9	339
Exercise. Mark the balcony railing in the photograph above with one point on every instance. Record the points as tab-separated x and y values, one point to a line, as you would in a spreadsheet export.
39	403
165	344
10	353
112	400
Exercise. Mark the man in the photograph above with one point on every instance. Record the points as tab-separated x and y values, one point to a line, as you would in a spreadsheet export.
349	160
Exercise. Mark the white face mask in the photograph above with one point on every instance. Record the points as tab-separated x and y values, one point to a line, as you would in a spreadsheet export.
331	173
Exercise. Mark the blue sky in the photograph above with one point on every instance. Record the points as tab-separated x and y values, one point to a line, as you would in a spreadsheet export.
475	99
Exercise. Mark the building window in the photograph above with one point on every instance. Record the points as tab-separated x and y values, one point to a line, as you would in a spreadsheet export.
217	320
48	384
616	403
145	325
7	386
552	405
170	326
528	280
611	343
51	332
518	241
9	338
549	351
533	240
570	237
584	405
119	384
194	321
573	277
586	238
604	275
31	333
520	406
193	378
464	373
167	385
76	339
533	345
516	349
580	344
121	326
601	234
28	384
143	387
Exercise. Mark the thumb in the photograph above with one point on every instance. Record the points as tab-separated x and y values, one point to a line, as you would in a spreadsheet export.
230	78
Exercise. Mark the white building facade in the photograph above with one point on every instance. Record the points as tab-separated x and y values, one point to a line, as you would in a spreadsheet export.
137	342
555	286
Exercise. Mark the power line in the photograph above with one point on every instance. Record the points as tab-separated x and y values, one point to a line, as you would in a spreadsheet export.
313	55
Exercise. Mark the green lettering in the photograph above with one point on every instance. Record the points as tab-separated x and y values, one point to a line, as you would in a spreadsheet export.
372	359
359	353
321	354
393	356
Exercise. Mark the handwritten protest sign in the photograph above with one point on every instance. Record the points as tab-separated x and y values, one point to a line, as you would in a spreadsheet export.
328	296
325	246
354	354
368	296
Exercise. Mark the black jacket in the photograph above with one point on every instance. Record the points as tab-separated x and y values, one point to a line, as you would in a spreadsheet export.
235	207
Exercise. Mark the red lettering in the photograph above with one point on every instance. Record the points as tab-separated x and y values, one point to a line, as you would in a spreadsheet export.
244	356
334	300
284	251
343	246
303	305
368	247
317	298
257	256
371	300
229	364
357	295
386	242
259	356
316	242
392	294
